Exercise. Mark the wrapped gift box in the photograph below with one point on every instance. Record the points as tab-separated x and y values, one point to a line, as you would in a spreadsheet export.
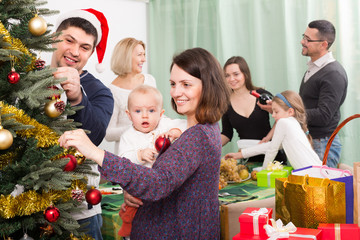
240	236
344	231
266	178
252	221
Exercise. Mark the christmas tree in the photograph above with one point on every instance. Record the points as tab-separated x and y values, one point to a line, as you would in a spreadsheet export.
41	184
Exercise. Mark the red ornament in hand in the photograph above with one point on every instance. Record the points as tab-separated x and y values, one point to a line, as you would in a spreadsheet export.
51	214
162	143
93	196
13	77
71	165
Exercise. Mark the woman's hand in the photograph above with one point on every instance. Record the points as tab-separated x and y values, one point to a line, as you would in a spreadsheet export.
130	201
81	142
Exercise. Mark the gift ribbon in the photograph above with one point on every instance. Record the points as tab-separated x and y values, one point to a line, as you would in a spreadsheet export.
269	179
255	214
337	231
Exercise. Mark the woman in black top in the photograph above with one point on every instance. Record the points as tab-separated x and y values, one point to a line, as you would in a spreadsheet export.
244	115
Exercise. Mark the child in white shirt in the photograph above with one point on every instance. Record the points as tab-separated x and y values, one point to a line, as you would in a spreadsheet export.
138	142
291	133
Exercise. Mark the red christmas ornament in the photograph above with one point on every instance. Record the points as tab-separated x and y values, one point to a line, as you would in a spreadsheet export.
54	96
71	165
93	196
51	214
13	77
162	143
39	64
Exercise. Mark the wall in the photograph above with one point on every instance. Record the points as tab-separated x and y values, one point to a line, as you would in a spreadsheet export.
126	18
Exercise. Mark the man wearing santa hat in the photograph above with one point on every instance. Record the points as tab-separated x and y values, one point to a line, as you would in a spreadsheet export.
81	32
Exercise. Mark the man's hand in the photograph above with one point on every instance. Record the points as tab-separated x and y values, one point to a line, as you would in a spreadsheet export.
71	85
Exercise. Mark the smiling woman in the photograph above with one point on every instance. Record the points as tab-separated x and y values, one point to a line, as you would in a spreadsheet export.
127	63
180	191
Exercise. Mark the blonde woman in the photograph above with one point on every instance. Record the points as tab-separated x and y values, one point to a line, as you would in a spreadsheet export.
127	62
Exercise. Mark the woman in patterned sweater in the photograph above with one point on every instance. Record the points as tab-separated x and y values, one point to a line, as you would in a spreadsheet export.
180	192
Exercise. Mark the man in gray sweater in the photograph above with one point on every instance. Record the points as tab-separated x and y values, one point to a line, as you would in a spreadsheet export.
323	88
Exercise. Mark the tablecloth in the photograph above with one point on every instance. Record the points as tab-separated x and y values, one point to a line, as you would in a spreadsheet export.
245	192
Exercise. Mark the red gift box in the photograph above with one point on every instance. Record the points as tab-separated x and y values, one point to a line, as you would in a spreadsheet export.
305	234
240	236
252	221
331	231
276	230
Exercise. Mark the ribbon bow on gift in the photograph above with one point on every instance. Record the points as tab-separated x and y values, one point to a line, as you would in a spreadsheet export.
274	166
255	214
278	230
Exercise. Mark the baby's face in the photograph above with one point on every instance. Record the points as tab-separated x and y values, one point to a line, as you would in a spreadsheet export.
144	112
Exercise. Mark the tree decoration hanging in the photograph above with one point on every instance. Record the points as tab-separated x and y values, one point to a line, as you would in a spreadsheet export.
37	25
71	165
13	77
46	136
93	196
6	138
31	201
54	108
79	158
39	64
51	214
16	44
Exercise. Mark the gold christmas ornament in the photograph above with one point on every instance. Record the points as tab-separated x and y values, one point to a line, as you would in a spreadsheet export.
37	25
16	44
6	138
46	136
79	157
53	108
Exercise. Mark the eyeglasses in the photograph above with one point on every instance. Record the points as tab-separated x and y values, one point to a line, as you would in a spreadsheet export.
306	39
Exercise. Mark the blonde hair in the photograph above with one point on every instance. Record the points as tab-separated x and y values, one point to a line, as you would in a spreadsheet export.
146	89
121	59
297	104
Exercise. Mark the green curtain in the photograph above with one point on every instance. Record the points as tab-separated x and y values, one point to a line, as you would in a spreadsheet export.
267	34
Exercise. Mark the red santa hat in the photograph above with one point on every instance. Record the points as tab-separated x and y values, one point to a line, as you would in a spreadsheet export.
98	20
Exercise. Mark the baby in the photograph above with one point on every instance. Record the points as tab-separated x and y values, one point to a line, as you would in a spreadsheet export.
137	143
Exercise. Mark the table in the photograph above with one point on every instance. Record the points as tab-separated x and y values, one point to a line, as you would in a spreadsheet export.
242	195
232	206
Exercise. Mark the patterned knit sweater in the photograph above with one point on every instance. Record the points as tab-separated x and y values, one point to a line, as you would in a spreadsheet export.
180	192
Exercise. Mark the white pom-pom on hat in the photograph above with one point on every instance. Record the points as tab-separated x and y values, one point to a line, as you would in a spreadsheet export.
98	20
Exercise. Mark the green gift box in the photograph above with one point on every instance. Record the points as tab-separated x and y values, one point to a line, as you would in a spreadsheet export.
266	178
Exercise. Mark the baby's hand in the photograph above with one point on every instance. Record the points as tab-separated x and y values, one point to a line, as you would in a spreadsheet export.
147	155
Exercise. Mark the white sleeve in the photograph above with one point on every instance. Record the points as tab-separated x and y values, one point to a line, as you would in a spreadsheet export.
276	141
255	150
128	148
167	123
